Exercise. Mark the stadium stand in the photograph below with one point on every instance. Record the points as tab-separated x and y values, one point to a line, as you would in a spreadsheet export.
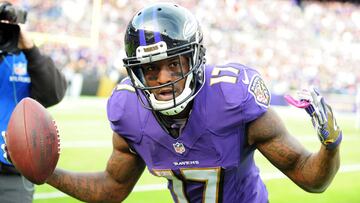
293	46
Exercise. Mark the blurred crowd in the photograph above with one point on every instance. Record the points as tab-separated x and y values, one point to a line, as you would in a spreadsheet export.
292	46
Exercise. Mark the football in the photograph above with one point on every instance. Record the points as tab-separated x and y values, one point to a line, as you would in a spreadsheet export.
32	141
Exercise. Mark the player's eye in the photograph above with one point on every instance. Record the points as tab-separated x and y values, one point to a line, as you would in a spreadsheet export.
174	64
150	72
148	68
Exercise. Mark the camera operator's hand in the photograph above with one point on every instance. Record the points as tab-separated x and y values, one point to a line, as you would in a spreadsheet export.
25	41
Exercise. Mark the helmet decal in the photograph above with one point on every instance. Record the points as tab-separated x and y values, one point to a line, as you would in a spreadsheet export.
189	28
142	39
157	36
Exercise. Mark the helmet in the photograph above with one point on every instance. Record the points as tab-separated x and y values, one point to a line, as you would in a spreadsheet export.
158	32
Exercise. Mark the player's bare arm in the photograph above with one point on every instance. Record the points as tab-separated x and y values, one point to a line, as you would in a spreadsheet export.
113	185
311	171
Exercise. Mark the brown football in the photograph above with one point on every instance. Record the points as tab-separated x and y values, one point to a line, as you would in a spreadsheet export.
32	141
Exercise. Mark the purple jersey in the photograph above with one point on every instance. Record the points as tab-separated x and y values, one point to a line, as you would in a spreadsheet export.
210	161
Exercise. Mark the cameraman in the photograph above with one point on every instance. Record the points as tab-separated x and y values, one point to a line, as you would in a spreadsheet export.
24	72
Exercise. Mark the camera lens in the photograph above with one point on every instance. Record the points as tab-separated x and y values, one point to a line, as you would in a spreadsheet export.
3	39
9	35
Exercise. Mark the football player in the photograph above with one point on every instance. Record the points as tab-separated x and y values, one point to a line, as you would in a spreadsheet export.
198	125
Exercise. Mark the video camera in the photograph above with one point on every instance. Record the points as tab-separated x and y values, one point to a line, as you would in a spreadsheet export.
10	16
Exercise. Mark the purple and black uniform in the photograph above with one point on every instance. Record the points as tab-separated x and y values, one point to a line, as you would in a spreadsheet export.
211	160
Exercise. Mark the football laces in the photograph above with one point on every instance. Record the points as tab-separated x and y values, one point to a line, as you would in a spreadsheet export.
59	139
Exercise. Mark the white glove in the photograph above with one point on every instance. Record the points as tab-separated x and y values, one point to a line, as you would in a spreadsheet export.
4	148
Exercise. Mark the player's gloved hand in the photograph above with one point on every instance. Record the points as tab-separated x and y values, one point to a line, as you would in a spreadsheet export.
321	114
4	148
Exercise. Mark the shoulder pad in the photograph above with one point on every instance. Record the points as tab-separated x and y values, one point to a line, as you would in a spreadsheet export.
127	87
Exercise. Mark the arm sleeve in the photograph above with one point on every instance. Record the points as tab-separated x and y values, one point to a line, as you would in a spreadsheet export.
48	84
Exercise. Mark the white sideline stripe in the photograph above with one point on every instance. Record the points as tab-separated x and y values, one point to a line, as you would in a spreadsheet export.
140	188
150	187
155	187
279	175
86	144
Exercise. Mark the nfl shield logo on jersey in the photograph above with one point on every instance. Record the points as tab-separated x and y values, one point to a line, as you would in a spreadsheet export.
20	68
179	147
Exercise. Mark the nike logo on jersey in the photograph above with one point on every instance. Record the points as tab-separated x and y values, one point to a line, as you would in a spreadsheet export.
246	78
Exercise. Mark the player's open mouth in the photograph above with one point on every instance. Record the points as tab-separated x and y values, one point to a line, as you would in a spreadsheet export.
165	95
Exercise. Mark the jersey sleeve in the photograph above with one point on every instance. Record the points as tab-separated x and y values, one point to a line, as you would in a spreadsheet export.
236	95
122	112
257	97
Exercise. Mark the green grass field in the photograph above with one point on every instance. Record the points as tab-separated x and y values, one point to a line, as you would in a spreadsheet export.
86	146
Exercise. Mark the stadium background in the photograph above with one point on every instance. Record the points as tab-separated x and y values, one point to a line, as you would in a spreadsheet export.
293	45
